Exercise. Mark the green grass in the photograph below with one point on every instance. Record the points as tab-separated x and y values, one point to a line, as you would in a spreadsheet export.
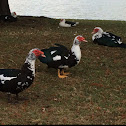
94	92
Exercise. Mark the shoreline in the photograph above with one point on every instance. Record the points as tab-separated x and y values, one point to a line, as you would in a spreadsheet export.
67	18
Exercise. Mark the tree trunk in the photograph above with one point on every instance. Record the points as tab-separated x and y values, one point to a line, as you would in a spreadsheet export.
4	7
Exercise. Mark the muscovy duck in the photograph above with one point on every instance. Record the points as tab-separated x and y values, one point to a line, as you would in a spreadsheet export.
59	57
64	23
106	38
14	81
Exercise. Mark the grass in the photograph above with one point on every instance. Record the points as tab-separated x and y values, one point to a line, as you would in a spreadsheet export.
94	92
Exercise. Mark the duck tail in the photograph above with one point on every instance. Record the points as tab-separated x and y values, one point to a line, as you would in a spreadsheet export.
123	45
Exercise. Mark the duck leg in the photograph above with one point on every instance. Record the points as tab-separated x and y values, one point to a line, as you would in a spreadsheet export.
60	75
17	98
64	73
9	97
10	100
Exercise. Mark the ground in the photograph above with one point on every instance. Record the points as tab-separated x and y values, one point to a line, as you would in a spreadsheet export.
94	92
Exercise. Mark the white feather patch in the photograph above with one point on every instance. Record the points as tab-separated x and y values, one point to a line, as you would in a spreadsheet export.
19	83
53	52
2	78
66	57
61	66
29	77
57	58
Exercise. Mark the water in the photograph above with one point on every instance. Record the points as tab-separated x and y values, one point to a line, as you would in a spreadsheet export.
71	9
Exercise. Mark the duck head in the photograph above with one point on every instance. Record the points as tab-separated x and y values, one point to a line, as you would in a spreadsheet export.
97	30
78	39
14	14
62	20
34	53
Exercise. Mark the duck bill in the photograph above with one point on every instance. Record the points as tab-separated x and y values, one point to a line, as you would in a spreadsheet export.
93	32
85	40
43	55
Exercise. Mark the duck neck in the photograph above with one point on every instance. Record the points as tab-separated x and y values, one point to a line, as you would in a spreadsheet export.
31	65
97	35
77	52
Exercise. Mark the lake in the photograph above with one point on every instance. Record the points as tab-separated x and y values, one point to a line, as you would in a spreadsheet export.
71	9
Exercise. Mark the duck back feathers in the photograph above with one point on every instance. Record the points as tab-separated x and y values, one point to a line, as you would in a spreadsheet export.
65	62
58	56
107	39
50	53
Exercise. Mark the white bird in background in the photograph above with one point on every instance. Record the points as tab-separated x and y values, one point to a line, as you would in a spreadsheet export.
64	23
13	14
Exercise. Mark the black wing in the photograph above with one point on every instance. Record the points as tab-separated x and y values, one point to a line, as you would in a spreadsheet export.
69	22
61	50
69	60
9	72
112	36
108	39
58	50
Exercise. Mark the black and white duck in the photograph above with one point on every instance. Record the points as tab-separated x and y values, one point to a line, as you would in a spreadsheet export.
59	57
64	23
14	81
106	38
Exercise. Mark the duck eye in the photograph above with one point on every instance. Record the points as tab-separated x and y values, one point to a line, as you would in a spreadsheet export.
35	51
